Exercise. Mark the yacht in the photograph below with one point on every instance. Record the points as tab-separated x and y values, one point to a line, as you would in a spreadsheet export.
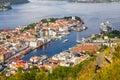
35	59
65	40
79	41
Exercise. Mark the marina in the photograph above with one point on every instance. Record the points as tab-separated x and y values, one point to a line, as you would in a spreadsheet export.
25	41
50	49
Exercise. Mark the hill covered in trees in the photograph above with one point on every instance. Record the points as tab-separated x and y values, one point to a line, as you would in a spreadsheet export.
13	1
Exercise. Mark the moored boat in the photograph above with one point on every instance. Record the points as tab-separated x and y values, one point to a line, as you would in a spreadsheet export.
35	59
65	40
79	41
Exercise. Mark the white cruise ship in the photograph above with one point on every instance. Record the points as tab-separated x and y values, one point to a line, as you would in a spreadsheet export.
106	26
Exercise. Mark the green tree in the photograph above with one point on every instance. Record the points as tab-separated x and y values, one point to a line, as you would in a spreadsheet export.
44	21
42	75
7	36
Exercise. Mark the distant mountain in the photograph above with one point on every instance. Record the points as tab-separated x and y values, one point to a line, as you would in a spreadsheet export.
86	1
94	1
13	1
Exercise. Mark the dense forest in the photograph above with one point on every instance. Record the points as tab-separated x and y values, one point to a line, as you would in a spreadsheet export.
14	1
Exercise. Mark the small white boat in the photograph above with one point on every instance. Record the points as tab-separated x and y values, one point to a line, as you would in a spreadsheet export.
65	40
34	59
79	41
43	57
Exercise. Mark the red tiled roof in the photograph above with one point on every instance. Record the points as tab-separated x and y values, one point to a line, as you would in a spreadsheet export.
85	48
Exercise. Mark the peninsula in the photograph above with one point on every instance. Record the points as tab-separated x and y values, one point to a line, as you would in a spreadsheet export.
6	4
14	1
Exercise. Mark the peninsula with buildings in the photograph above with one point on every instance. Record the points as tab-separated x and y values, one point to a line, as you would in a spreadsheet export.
6	4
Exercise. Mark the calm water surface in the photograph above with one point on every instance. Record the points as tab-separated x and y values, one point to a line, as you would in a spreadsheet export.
92	14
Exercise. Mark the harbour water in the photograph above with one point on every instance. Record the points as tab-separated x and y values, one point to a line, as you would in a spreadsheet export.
56	47
91	13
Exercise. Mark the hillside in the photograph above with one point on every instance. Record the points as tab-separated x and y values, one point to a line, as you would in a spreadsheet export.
13	1
108	72
86	70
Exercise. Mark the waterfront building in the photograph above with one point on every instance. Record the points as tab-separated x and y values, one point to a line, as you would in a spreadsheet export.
33	44
73	17
52	33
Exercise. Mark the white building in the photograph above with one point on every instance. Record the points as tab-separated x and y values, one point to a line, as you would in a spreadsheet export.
64	64
33	44
52	33
73	17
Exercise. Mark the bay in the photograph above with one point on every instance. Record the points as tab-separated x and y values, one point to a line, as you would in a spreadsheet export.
91	13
